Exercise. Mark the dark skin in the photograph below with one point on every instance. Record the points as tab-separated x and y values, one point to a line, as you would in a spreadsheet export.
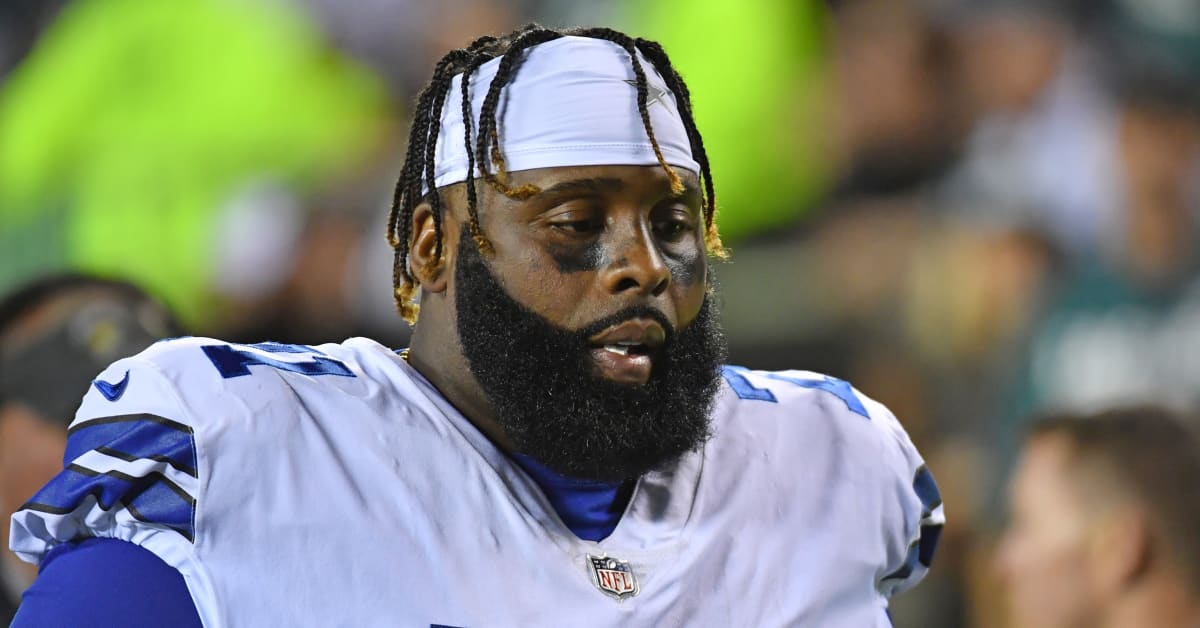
596	240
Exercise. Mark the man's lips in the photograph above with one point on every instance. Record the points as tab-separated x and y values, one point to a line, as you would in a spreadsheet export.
645	333
624	352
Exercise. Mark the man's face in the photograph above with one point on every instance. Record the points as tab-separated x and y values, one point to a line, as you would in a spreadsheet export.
598	240
588	327
1044	558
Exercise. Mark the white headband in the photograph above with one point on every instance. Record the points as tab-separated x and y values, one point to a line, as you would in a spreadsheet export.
571	102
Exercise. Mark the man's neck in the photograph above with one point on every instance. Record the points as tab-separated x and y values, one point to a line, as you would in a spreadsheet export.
443	364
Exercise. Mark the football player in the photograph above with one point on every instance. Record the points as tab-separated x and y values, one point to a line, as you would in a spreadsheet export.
560	445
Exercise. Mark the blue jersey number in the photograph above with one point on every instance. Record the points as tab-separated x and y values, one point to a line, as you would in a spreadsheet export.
736	376
236	360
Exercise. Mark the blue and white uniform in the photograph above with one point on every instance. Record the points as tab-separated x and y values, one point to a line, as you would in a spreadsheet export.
334	486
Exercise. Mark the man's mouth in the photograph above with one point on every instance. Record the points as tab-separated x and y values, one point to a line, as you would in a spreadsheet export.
628	348
625	352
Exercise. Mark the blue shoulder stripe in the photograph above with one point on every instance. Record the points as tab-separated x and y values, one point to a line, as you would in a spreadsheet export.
151	498
921	552
926	488
133	437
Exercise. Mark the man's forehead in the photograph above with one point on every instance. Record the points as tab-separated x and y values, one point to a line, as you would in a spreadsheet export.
1054	468
1048	454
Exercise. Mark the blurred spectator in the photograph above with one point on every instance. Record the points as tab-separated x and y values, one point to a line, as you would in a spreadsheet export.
56	333
1103	532
1125	328
1041	151
898	119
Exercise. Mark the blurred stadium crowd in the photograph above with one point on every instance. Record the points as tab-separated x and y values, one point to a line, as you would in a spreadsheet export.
973	210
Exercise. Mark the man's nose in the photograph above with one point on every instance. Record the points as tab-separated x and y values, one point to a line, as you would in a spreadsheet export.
637	262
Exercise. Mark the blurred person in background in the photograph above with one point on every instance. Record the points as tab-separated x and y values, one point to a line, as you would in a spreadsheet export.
897	119
1124	325
1104	522
56	334
1040	150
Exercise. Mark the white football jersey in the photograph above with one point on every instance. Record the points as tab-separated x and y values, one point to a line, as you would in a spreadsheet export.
334	486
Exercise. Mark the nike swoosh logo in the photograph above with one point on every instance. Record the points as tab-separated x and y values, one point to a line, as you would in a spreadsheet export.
112	392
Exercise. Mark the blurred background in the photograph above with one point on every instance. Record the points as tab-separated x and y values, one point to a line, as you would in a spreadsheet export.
973	210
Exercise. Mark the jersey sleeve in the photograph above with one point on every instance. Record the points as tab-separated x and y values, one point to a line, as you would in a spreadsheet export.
132	468
914	514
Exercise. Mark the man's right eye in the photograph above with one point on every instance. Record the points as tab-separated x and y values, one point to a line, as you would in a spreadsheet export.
575	222
576	226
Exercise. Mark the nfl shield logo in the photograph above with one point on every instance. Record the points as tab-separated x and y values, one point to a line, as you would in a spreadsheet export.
613	577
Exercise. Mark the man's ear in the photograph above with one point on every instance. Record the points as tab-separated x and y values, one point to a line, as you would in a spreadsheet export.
424	262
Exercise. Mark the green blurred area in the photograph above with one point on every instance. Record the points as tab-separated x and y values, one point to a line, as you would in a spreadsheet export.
132	122
758	74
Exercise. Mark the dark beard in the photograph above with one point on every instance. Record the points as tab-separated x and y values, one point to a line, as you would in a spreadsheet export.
553	405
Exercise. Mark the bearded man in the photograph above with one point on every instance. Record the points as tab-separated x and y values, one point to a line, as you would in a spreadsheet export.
560	445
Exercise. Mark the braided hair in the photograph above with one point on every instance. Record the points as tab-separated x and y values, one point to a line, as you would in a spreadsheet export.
418	169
